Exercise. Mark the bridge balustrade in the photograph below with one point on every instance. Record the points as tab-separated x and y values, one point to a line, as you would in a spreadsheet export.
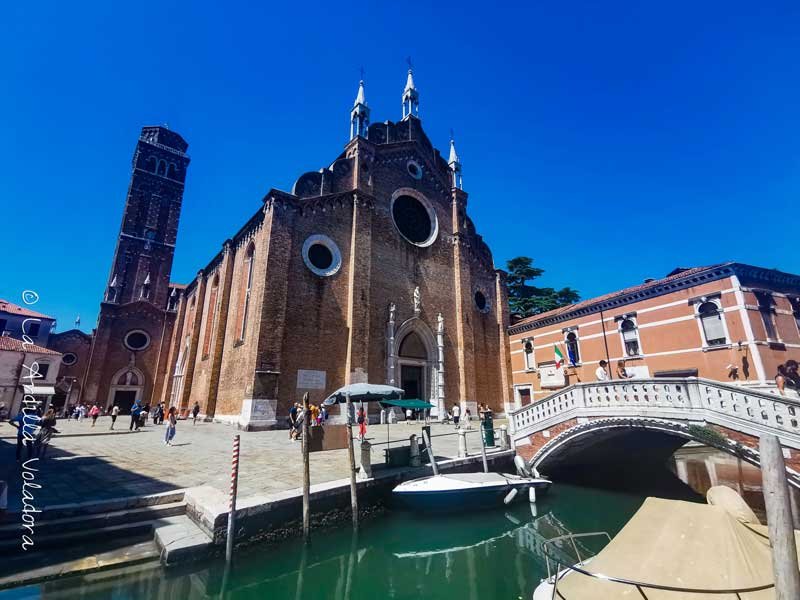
689	399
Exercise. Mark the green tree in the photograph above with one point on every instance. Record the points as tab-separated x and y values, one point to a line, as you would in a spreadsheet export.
525	299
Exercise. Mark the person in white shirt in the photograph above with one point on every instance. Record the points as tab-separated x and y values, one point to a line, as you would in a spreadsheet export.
601	374
456	414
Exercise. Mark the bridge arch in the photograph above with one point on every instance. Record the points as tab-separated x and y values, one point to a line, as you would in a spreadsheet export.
582	437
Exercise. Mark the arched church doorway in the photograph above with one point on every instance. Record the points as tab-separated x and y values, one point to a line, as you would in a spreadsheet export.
414	360
127	386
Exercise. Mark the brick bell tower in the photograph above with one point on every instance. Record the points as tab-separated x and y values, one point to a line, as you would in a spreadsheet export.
130	346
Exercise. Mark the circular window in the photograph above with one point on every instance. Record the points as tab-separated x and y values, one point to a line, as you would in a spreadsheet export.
137	340
69	359
481	302
414	219
414	169
321	255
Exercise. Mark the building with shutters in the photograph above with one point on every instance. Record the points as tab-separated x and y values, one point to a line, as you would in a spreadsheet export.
729	322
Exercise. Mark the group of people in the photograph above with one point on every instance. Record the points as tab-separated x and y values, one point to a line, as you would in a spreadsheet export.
602	372
318	416
34	431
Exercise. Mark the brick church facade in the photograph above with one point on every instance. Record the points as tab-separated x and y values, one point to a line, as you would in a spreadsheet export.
369	270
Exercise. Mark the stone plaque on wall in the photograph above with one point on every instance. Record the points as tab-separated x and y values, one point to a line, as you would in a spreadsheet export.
552	377
310	380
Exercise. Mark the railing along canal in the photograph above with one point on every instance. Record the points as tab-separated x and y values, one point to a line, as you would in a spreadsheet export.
689	398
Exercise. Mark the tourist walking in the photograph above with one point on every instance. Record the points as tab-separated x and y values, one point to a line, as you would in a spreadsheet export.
601	374
195	412
144	414
467	419
456	414
292	419
81	412
159	414
94	412
361	419
135	410
172	423
114	415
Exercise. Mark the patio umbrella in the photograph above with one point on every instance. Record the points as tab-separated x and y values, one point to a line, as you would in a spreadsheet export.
363	392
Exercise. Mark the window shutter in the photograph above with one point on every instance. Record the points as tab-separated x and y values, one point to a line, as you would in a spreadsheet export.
712	325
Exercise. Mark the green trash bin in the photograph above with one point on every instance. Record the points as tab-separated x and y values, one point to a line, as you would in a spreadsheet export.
488	429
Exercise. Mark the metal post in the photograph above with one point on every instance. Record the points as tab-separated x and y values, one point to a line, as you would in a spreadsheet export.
605	343
366	461
351	457
234	488
779	519
483	453
306	474
427	438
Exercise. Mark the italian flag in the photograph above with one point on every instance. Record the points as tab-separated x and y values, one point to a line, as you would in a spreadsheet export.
559	356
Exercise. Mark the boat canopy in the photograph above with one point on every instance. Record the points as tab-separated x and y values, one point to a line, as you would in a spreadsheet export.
677	544
410	403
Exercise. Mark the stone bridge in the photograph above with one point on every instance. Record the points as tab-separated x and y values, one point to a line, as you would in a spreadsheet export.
651	418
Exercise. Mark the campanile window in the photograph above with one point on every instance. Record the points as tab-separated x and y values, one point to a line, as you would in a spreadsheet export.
712	324
766	308
630	336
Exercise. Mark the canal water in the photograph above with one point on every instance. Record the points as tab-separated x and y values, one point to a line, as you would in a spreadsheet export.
466	555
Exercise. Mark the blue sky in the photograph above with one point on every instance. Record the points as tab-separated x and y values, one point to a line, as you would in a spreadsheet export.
609	141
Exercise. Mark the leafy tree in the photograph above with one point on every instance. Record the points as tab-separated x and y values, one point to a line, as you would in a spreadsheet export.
525	299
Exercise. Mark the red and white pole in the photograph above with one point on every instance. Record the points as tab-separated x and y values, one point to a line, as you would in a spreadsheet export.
234	486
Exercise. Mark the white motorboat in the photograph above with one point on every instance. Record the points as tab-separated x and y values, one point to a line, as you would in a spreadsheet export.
470	490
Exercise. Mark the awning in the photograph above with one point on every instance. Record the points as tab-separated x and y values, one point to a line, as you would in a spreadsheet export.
39	390
411	403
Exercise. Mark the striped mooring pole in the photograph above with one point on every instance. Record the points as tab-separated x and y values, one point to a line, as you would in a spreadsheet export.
232	513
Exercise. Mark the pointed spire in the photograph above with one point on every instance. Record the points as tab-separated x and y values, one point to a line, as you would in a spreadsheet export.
410	95
455	164
359	116
113	281
78	321
147	279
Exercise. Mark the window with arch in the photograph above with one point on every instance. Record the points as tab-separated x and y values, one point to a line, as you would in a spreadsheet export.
573	348
711	323
129	378
150	164
161	169
247	284
629	332
795	302
172	171
212	316
528	355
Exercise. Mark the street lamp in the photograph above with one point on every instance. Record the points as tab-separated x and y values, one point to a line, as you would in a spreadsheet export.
72	381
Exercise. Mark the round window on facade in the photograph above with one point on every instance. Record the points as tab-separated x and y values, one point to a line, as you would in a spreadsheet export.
321	255
69	359
414	169
414	219
137	340
481	302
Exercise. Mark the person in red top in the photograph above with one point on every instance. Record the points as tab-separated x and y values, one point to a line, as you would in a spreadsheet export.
94	412
361	419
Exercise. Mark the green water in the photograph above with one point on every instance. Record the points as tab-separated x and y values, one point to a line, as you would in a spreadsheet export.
470	556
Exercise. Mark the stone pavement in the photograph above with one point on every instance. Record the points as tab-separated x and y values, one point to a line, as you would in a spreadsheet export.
87	464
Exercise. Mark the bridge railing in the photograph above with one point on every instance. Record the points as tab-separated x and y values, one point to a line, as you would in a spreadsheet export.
687	398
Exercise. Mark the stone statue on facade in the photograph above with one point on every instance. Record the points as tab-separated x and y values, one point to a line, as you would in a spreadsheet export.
440	323
417	301
392	309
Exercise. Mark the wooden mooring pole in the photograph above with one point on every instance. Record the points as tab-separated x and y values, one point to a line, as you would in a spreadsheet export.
306	473
351	457
234	489
426	436
779	519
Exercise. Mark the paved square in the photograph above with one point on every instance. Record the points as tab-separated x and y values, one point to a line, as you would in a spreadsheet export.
87	464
